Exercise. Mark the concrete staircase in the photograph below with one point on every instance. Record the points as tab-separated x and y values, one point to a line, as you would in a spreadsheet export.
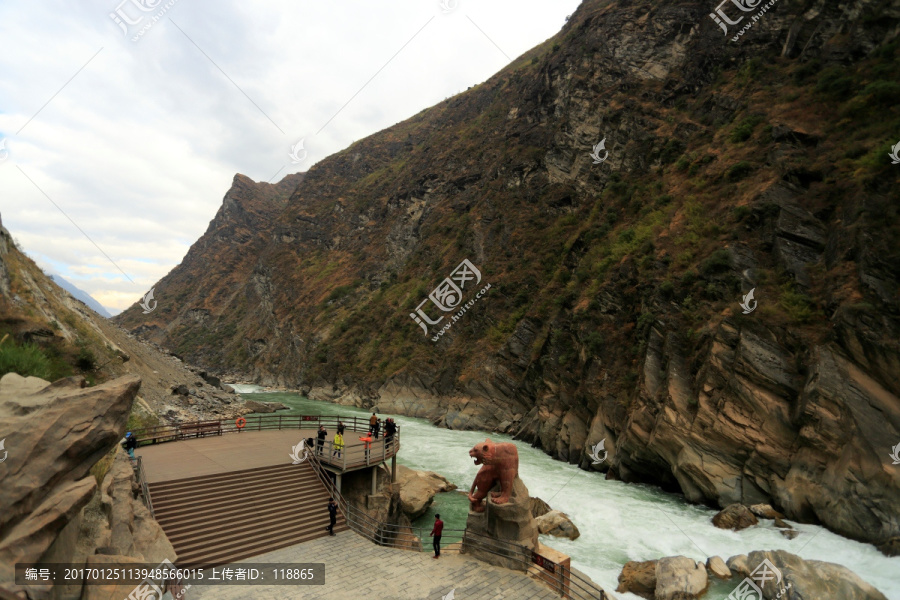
217	519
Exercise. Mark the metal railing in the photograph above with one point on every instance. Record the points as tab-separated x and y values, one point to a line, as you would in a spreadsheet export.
145	491
561	578
351	457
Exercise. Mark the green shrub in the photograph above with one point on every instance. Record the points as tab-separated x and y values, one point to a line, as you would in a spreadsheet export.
666	289
719	261
27	360
671	151
744	129
835	83
805	71
739	171
882	92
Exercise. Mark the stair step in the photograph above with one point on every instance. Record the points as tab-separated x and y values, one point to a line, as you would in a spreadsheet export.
244	534
230	475
194	528
235	488
186	485
221	556
196	523
220	502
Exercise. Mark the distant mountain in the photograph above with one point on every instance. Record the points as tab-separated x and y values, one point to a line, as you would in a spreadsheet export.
81	295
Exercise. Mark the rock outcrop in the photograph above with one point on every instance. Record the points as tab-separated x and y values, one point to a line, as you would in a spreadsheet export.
418	488
680	578
638	577
558	524
801	579
55	433
734	516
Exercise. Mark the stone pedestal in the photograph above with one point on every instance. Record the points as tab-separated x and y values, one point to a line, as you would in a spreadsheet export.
501	523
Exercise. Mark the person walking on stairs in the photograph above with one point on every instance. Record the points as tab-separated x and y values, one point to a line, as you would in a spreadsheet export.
332	515
436	532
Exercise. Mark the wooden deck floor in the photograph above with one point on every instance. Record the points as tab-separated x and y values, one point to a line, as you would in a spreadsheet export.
231	452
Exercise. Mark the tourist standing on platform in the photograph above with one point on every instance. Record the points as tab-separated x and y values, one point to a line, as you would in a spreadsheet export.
373	420
338	443
367	441
376	428
332	515
390	428
436	532
340	427
320	442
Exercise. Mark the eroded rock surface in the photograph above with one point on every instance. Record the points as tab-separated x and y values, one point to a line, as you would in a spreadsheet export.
54	434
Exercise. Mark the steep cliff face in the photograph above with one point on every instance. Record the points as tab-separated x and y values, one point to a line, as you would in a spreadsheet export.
612	310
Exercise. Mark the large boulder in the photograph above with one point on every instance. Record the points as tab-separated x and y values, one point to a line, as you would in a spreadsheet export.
639	578
717	567
539	507
418	488
54	434
558	524
798	579
734	516
680	578
264	407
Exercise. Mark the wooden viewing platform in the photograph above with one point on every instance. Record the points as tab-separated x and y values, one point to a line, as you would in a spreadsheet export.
264	441
221	498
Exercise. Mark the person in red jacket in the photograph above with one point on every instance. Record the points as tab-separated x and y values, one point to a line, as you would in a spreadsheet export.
436	532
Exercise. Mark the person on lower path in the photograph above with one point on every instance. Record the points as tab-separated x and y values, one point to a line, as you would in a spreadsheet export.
130	444
332	515
436	532
320	442
338	444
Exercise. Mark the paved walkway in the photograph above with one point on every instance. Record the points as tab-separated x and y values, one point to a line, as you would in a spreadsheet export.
355	568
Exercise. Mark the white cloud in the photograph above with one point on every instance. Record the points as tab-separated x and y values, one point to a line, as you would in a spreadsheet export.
142	144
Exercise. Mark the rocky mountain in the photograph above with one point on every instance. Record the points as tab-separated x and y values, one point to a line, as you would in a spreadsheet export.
49	334
81	295
647	231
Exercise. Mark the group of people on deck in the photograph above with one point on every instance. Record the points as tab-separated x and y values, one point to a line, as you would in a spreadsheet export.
337	445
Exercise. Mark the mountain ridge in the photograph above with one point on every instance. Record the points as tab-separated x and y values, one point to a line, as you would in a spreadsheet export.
614	307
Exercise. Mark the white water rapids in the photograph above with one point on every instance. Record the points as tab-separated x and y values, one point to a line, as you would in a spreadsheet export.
618	521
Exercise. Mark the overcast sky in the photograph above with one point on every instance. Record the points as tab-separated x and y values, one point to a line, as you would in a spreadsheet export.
135	137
